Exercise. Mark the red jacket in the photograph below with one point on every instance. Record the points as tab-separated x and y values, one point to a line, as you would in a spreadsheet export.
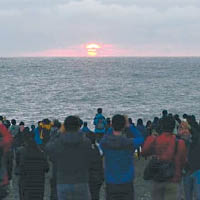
163	147
5	144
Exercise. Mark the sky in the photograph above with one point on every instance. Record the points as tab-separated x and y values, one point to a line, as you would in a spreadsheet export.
119	27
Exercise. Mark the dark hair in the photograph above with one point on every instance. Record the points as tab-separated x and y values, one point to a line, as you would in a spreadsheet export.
139	122
130	120
164	113
108	120
118	122
176	117
1	118
56	123
26	130
72	123
32	127
99	110
13	122
46	121
7	123
148	123
185	116
167	124
85	124
21	123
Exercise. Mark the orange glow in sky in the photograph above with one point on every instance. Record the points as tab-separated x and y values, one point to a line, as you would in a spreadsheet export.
92	49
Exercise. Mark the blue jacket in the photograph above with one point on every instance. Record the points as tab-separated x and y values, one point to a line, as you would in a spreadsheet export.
85	129
134	131
96	119
119	162
37	136
143	130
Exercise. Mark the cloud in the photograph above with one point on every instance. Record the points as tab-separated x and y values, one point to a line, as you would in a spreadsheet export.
146	27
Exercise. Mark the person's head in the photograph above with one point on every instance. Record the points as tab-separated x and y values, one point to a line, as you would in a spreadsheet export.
164	113
118	122
149	123
99	110
26	130
108	121
21	124
139	122
56	123
46	121
185	116
130	120
170	114
167	124
156	119
32	127
85	124
176	117
72	124
13	122
7	124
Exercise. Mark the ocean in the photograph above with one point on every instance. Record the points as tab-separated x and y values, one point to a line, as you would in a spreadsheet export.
36	88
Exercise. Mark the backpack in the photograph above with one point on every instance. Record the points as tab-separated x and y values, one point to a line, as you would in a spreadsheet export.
160	170
100	124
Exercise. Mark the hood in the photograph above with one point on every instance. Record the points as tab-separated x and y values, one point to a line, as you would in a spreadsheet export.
71	138
99	116
113	142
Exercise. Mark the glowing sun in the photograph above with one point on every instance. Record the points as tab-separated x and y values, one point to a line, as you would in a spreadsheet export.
92	49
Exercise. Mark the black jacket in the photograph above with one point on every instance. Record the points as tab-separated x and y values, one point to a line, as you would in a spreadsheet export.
71	153
194	149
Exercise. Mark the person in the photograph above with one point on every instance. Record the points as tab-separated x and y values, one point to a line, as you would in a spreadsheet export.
100	124
166	147
32	128
85	128
164	113
5	145
96	174
118	151
191	178
45	131
18	143
155	126
108	124
149	128
32	168
71	152
54	133
37	137
140	126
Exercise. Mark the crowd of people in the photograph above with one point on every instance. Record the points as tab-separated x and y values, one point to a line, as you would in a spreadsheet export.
83	160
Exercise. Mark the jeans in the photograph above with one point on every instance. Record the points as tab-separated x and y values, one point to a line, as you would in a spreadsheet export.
192	186
78	191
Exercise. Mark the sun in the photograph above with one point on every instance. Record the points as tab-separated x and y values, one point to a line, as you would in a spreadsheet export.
92	49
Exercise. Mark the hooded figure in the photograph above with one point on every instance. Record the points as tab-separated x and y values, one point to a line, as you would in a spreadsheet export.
32	168
71	152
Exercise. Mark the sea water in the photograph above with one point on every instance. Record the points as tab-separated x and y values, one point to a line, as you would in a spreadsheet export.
36	88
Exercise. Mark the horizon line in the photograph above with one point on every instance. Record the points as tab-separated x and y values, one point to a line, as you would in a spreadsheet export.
100	56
